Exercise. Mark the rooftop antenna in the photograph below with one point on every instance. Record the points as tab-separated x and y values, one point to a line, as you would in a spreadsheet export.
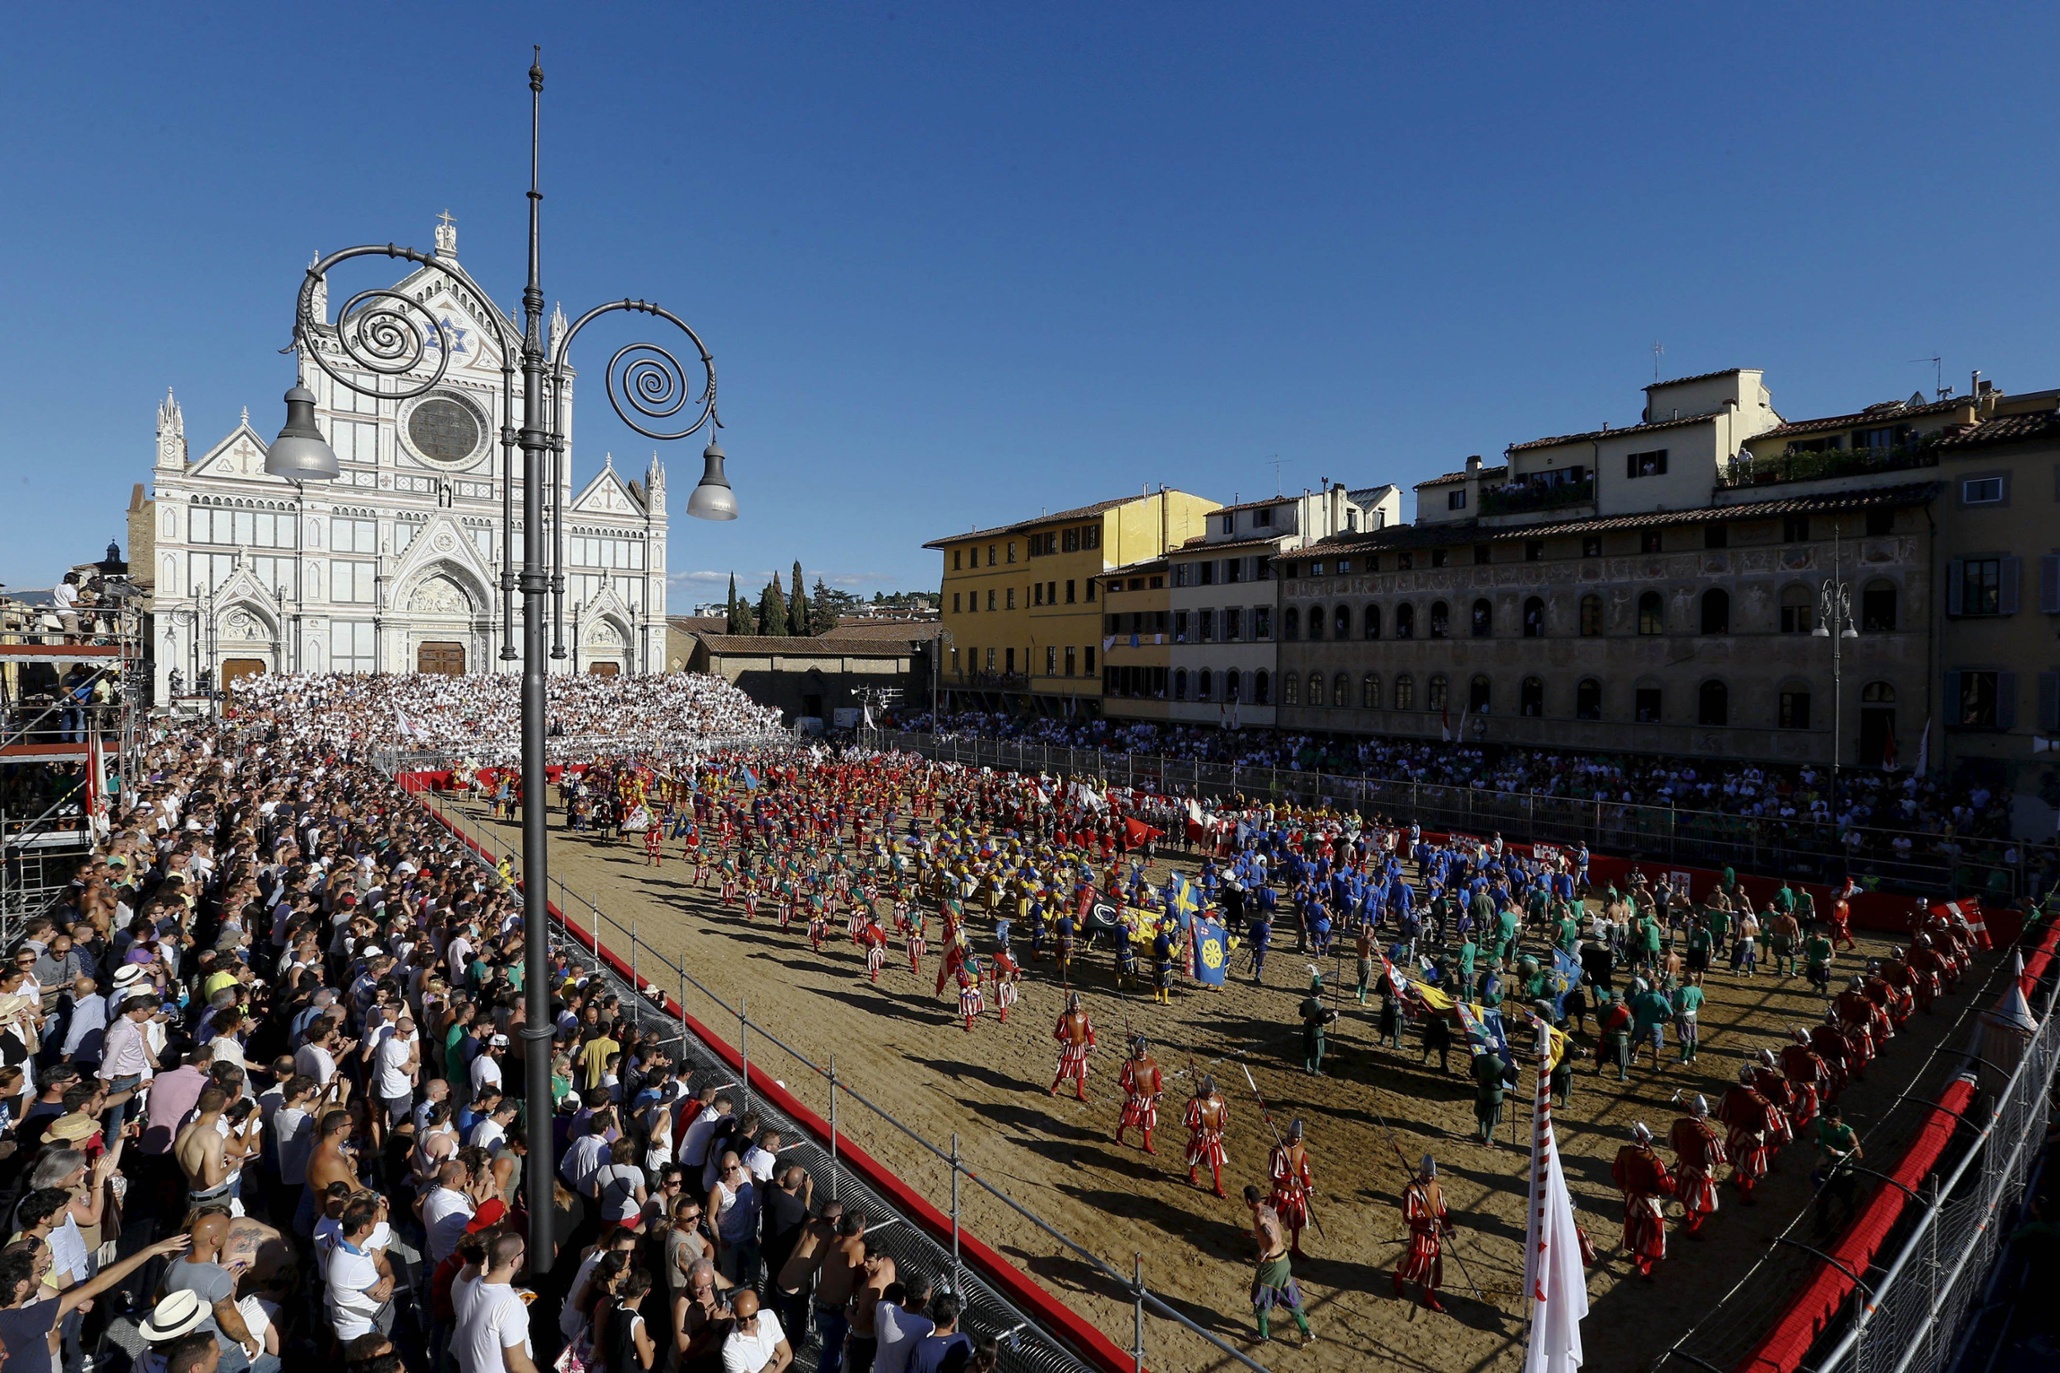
1939	389
1657	350
1278	463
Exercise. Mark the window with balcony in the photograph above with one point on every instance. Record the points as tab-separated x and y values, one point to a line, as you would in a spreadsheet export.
1315	685
1478	695
1645	705
1482	622
1405	621
1441	620
1341	622
1373	622
1369	691
1436	694
1534	617
1588	699
1651	463
1315	624
1405	692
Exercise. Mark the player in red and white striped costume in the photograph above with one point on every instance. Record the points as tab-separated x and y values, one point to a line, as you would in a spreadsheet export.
1423	1210
1141	1085
970	1001
1208	1116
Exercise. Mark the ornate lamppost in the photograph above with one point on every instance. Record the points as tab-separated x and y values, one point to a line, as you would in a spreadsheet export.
378	347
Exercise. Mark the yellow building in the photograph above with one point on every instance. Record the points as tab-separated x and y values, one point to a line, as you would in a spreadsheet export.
1022	608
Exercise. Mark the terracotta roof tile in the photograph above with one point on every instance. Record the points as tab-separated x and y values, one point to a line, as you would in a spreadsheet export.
1873	414
1616	433
2045	424
1499	470
1699	376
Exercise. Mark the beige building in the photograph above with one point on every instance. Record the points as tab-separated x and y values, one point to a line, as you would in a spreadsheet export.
1021	602
816	678
1136	641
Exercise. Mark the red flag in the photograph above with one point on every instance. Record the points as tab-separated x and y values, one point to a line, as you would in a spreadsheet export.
1136	833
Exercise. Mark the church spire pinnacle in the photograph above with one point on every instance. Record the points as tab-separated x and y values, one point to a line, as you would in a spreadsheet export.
446	236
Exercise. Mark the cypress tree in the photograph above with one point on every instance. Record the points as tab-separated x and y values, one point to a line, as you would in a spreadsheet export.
797	605
772	610
822	615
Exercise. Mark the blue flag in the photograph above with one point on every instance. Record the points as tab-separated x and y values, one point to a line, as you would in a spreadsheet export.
750	777
1211	952
1566	975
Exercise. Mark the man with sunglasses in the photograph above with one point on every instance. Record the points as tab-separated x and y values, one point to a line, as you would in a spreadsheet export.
757	1344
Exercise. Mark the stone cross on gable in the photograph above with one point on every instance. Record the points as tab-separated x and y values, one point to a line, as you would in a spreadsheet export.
446	235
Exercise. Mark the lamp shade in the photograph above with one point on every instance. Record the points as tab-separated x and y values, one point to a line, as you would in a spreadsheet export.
300	453
713	499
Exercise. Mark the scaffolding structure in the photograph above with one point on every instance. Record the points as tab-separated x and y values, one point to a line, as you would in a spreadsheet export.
72	718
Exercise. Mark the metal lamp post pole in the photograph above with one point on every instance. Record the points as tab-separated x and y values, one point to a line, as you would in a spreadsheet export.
380	347
1835	622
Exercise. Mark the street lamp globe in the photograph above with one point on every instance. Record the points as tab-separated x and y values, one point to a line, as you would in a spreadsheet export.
300	453
713	499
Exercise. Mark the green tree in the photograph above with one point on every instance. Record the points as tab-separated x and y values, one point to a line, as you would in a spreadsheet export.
822	611
797	605
740	612
772	610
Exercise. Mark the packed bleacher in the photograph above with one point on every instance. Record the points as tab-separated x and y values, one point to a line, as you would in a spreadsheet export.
433	711
1869	798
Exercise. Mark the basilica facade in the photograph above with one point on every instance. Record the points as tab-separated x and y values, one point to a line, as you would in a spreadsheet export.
396	566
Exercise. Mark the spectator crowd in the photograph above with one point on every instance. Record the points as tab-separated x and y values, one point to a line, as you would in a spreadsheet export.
262	1095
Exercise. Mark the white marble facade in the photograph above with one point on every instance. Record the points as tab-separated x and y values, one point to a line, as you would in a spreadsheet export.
396	566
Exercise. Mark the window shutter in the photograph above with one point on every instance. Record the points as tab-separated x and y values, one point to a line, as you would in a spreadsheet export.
2006	595
1953	698
1955	573
2049	700
2006	700
2049	584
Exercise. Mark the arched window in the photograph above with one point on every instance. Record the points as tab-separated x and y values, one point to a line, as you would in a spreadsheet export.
1798	609
1369	691
1405	621
1591	616
1290	689
1230	685
1441	620
1405	691
1647	703
1204	685
1315	625
1716	611
1713	704
1478	695
1341	690
1435	695
1531	697
1652	613
1877	694
1315	688
1588	699
1534	617
1483	623
1291	624
1373	622
1262	687
1341	622
1877	607
1180	684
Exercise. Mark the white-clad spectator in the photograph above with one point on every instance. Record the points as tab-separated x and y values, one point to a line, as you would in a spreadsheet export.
756	1344
492	1334
360	1282
446	1209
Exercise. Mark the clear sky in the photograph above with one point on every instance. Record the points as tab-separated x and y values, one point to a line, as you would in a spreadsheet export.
961	263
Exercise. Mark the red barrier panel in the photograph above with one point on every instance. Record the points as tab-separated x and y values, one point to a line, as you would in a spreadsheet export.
1817	1303
1049	1312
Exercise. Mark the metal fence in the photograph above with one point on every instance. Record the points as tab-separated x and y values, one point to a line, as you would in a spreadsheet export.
1906	1310
1794	849
1028	1348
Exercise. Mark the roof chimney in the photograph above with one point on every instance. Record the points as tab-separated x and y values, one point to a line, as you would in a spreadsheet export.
1473	464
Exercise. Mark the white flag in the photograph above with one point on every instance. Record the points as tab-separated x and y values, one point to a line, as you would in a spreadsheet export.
1923	750
1553	1274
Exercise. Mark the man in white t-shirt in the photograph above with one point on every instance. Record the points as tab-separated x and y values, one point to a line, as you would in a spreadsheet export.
493	1320
360	1282
756	1343
486	1067
397	1060
446	1208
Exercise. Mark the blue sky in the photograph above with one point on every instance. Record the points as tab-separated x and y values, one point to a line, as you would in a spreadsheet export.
961	263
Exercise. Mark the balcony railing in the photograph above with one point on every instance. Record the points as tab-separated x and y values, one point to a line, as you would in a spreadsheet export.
1524	498
1828	462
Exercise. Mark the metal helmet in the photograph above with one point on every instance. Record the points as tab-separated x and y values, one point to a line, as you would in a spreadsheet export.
1641	1132
1745	1074
1767	1057
1798	1034
1831	1015
1699	1107
1427	1169
1856	983
1072	1001
1139	1046
1295	1128
1922	941
1208	1087
1895	953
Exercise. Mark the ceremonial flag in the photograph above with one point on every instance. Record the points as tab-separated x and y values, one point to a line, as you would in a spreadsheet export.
750	777
1923	749
1136	833
1445	722
1554	1278
96	783
1888	752
1476	1037
1211	952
